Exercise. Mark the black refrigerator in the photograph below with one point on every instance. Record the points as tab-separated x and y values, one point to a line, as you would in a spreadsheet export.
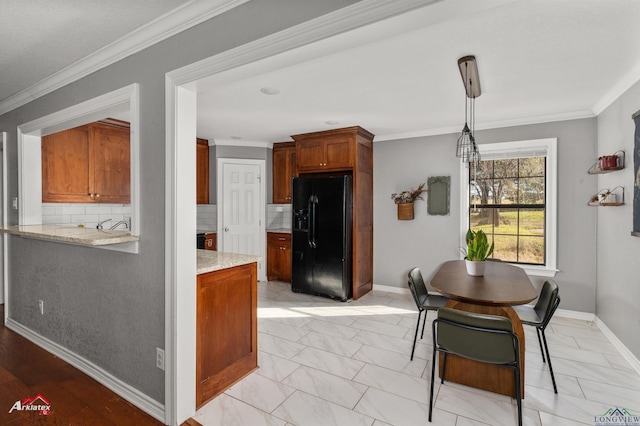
321	236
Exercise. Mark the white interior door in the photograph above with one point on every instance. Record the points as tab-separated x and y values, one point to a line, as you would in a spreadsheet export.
241	195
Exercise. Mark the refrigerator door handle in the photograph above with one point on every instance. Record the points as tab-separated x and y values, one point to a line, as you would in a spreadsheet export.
312	219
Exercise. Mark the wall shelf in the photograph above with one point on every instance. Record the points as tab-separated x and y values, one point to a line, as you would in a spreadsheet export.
608	197
597	168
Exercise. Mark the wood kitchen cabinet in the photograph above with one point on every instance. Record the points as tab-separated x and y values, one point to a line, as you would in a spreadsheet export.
284	169
226	329
279	256
350	151
210	241
87	164
202	171
324	151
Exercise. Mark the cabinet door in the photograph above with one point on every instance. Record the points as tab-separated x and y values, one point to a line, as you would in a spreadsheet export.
285	262
202	171
111	164
273	260
210	241
310	155
65	166
284	168
338	153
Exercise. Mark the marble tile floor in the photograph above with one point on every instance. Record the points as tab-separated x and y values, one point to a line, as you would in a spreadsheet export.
328	363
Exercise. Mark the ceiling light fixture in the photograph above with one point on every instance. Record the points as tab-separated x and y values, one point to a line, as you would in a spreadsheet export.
270	90
466	148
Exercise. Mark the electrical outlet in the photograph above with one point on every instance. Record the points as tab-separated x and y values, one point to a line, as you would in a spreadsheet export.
160	358
41	307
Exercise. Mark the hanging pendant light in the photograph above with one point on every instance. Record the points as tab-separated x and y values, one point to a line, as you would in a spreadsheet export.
467	148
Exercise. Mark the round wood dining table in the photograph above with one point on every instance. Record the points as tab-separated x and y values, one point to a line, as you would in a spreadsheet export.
502	286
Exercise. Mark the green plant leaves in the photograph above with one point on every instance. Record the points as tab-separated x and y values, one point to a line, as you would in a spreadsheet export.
478	248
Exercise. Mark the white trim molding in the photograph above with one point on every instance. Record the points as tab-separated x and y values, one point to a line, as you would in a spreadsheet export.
129	393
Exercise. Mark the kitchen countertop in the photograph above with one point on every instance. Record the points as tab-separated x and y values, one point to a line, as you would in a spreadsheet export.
280	230
210	260
71	234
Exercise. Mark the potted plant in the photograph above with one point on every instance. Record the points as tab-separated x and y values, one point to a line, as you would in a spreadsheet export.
405	200
478	250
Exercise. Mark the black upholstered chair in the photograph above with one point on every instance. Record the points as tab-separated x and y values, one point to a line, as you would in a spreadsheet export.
479	337
424	301
539	316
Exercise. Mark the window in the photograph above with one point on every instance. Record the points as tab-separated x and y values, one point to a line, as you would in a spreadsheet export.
511	197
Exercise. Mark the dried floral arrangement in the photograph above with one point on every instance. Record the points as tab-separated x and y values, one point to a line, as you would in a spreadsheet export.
409	196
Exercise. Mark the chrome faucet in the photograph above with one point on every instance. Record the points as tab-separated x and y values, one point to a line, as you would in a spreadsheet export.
121	222
100	227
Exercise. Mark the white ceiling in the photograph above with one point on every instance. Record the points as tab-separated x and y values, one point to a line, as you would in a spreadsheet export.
41	37
538	61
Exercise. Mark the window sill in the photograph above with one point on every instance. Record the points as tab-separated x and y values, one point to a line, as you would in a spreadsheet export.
537	271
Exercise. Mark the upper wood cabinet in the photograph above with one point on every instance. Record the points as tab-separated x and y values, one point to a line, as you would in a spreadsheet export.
284	169
202	171
324	151
87	164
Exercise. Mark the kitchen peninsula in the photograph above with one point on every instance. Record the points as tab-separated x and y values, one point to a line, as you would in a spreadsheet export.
226	321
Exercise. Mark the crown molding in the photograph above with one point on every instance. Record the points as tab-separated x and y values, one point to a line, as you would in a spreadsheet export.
348	18
167	25
521	121
624	84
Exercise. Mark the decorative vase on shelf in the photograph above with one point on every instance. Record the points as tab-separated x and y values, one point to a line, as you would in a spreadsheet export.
475	269
405	211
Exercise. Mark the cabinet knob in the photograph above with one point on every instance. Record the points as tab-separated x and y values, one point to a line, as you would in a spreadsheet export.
97	195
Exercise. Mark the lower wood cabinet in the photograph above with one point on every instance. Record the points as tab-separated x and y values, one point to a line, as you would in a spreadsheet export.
279	256
226	329
210	241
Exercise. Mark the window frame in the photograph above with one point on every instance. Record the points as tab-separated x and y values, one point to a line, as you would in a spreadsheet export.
511	150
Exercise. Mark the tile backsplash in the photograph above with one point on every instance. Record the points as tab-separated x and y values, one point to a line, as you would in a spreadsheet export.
207	217
87	215
279	216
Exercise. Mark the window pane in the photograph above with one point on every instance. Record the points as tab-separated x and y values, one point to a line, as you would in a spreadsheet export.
531	250
505	248
532	222
506	187
531	190
505	168
534	166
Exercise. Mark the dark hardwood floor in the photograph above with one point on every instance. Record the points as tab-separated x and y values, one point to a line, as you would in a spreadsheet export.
27	371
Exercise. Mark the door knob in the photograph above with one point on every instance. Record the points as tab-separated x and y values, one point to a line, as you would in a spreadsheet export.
226	229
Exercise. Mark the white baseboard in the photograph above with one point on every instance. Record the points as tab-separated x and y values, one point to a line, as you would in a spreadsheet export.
584	316
390	289
134	396
624	351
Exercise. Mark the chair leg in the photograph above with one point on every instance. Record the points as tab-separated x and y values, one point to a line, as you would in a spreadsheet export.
433	373
553	379
540	343
424	321
518	394
415	338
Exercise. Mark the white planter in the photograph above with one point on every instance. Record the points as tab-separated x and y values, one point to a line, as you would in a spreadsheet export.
474	268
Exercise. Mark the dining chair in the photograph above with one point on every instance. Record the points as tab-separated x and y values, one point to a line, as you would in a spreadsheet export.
539	316
424	301
484	338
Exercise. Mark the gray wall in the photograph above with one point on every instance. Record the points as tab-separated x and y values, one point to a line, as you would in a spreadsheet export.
618	268
109	306
427	241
